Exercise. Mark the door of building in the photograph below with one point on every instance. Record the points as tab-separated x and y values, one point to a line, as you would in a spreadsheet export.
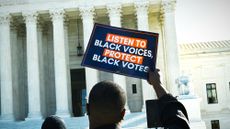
78	89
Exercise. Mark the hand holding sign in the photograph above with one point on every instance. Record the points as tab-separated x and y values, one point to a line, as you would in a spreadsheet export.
123	51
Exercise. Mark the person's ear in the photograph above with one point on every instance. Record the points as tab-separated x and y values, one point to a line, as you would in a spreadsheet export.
123	114
87	109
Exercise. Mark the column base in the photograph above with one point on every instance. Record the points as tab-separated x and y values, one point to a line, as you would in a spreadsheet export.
63	114
197	125
148	93
143	108
192	105
7	117
34	116
127	110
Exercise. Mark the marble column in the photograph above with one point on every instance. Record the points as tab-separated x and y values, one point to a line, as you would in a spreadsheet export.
114	12
171	46
33	70
66	32
6	69
143	25
15	68
41	66
142	15
22	71
60	63
87	15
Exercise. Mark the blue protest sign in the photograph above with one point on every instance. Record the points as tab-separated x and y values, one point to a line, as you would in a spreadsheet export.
122	51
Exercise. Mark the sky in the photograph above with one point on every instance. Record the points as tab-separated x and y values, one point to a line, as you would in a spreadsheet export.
202	20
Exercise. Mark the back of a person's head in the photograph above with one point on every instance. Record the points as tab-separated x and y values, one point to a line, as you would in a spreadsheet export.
53	122
107	100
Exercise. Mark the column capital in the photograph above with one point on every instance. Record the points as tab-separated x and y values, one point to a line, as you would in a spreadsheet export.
15	21
5	18
45	27
142	14
13	26
141	7
57	14
30	16
161	19
87	11
40	22
168	6
66	22
21	30
114	9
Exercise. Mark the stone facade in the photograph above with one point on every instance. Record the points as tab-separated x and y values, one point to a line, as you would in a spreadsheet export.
39	57
205	63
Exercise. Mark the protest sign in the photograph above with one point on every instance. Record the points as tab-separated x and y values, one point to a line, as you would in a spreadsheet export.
122	51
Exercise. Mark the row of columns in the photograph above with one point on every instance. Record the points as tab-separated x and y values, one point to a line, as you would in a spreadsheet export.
170	42
60	54
33	68
114	13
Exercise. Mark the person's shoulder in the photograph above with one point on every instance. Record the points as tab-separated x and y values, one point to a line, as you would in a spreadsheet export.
167	98
173	113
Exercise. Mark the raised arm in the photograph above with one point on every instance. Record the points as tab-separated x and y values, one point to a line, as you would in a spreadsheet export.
173	113
155	80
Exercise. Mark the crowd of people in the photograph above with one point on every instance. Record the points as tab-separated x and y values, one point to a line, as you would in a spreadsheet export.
106	107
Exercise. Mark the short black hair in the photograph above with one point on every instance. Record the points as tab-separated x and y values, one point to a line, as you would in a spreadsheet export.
107	98
53	122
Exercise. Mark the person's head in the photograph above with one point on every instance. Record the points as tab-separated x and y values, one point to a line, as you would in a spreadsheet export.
53	122
106	104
